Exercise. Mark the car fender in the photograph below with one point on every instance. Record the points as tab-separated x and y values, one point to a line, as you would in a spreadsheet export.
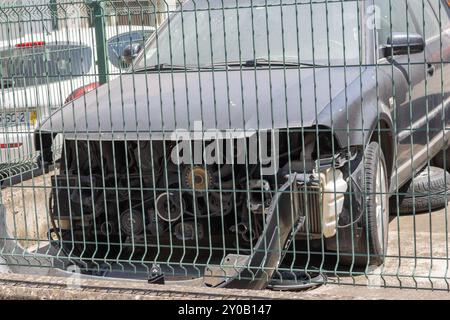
355	113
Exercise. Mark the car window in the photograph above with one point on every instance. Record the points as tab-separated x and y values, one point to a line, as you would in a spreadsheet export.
39	64
426	19
392	13
118	43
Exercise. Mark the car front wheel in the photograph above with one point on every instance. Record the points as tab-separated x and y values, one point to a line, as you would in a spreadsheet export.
366	238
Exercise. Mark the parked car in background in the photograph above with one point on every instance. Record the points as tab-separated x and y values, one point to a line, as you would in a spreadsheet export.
358	112
39	71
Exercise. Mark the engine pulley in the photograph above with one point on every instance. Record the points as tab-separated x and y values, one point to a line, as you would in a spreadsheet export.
132	222
197	178
169	206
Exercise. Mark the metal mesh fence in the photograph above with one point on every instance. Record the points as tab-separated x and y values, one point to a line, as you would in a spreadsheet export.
246	144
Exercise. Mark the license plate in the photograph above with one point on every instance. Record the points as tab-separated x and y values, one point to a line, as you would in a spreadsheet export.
17	118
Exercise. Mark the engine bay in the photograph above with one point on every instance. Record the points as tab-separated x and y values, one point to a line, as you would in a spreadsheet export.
132	200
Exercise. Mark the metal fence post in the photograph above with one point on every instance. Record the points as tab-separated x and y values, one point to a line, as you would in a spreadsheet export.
97	15
54	11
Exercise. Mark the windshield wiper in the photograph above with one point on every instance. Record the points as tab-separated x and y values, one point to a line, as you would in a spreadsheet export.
245	64
163	67
258	62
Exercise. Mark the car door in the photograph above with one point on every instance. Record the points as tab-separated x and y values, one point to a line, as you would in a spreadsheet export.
408	85
430	105
439	56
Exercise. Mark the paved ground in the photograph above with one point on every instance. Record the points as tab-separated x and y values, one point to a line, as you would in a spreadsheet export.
23	200
14	286
418	254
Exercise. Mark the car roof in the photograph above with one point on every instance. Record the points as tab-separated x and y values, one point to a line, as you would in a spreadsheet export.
79	36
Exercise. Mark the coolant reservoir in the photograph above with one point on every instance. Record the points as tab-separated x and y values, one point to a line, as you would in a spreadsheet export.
333	188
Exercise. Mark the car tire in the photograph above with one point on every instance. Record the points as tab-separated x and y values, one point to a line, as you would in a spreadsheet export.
43	143
44	161
370	234
428	191
442	159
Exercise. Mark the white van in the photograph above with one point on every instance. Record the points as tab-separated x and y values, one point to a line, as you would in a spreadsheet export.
38	73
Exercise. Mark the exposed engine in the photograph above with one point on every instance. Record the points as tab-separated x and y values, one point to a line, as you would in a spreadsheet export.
131	198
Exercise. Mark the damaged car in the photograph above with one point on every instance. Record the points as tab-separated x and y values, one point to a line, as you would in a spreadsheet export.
247	128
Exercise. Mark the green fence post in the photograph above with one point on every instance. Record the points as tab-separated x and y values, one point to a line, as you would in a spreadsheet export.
100	38
54	12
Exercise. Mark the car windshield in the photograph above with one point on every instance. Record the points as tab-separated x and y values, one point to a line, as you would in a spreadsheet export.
213	32
36	65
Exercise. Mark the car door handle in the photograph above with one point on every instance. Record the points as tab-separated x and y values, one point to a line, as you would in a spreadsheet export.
430	69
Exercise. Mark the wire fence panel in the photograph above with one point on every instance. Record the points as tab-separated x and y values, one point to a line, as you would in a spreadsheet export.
247	144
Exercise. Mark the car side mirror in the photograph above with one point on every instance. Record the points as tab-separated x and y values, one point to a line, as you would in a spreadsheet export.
130	52
401	43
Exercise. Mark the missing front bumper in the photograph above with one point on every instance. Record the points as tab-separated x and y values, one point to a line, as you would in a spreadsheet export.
284	219
301	208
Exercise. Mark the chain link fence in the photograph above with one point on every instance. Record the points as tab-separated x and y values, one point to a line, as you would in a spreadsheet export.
248	144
